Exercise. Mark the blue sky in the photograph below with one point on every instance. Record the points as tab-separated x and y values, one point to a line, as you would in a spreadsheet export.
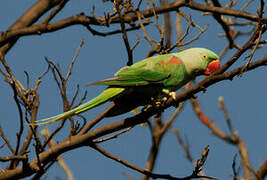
245	97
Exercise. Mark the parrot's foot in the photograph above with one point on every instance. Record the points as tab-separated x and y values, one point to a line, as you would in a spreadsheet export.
173	95
164	99
156	103
135	111
147	107
169	93
160	102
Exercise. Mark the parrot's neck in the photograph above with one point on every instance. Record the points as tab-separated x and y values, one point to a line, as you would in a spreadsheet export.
193	66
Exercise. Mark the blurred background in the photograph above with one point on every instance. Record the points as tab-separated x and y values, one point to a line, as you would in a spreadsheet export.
100	57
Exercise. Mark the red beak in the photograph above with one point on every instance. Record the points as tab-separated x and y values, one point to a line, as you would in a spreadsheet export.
212	67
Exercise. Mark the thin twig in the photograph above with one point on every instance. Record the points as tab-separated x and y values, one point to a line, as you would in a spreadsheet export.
14	157
74	59
100	21
62	164
53	134
96	120
157	132
144	30
143	171
125	38
225	27
234	139
235	171
183	145
75	95
262	171
215	130
168	28
21	127
113	136
54	12
255	47
201	161
2	134
227	117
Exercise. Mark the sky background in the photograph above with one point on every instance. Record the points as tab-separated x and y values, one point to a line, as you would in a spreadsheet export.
99	58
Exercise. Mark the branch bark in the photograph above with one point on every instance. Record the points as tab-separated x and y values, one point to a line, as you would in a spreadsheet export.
28	18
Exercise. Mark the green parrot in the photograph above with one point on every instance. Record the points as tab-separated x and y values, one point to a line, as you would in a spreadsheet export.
152	78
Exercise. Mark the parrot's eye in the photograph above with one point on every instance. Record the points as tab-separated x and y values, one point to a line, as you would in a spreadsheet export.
205	56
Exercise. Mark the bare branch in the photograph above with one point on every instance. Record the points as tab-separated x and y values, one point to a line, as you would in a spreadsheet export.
152	175
124	19
96	120
62	164
262	171
215	130
9	158
21	127
226	115
183	145
2	134
54	12
225	27
27	19
113	136
85	20
74	59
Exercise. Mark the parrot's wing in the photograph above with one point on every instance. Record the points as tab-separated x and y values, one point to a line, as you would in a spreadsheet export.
137	78
154	70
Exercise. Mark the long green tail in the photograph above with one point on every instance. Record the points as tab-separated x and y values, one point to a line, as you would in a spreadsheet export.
106	95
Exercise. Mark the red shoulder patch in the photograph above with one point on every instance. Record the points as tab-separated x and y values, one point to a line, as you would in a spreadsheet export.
174	60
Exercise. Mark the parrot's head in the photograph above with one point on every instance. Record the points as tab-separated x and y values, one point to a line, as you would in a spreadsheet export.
201	61
213	62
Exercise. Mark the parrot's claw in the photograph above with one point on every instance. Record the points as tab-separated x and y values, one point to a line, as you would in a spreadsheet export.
173	95
156	103
146	107
164	99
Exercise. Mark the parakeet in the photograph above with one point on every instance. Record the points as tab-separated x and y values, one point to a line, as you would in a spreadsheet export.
151	78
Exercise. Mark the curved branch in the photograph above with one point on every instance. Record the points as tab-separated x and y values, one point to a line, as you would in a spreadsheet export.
21	29
28	18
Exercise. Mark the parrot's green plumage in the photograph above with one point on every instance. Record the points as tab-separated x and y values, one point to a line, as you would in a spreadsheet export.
135	85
